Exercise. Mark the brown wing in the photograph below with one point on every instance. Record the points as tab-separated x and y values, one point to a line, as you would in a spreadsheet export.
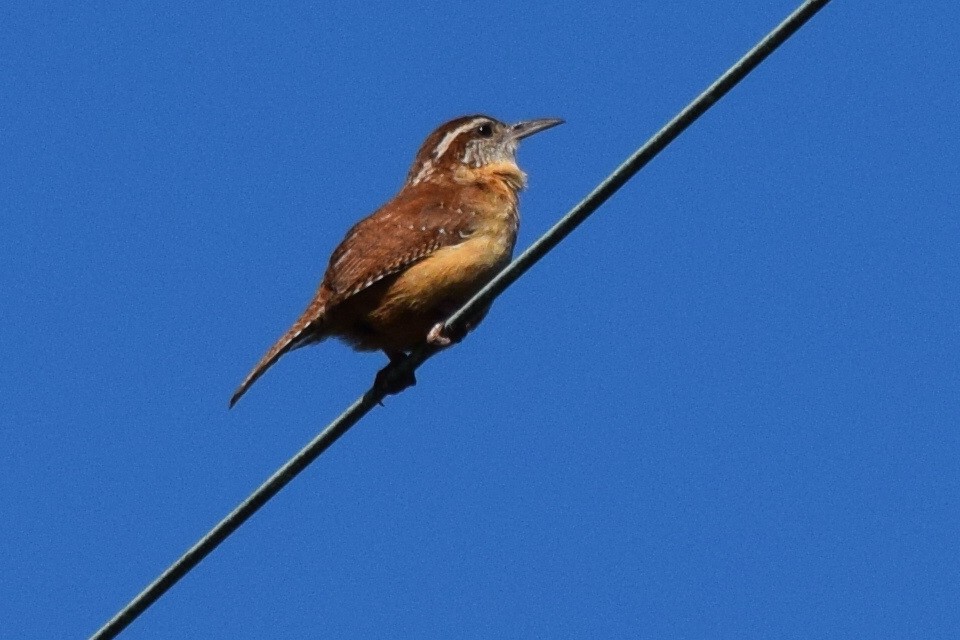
405	230
402	232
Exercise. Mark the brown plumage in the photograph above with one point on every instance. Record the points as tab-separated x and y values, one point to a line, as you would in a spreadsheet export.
402	271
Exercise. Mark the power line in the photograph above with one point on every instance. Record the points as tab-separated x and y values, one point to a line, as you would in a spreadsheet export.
484	297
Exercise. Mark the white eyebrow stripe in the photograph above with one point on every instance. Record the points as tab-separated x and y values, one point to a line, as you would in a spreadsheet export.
448	139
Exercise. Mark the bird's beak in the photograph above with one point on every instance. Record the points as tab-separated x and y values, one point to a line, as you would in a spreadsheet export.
527	128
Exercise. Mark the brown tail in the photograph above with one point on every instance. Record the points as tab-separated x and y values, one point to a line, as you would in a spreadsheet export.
306	330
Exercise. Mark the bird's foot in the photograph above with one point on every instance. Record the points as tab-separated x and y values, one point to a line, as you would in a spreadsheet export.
437	337
442	337
392	382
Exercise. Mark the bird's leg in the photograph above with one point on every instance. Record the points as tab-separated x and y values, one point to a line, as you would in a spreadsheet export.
389	380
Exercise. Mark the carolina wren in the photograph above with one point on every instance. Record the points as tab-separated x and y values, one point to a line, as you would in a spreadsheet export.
402	271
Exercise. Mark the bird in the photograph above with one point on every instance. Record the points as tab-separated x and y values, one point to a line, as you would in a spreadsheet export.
399	273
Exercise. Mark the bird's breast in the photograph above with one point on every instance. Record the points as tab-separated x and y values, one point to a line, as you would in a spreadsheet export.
397	313
457	271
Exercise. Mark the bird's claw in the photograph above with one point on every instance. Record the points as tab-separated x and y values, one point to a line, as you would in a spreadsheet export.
442	336
437	336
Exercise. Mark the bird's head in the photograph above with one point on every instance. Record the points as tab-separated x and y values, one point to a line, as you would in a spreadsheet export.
472	141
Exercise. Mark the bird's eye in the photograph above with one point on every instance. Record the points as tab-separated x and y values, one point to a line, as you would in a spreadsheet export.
485	130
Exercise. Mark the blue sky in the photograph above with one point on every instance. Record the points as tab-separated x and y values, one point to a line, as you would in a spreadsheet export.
726	407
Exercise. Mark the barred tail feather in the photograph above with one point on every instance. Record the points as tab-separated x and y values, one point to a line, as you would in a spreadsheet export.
306	330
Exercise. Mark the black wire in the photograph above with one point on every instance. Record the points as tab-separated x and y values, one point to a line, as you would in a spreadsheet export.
484	297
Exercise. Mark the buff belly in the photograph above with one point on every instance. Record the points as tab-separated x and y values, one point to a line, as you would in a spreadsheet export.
397	313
